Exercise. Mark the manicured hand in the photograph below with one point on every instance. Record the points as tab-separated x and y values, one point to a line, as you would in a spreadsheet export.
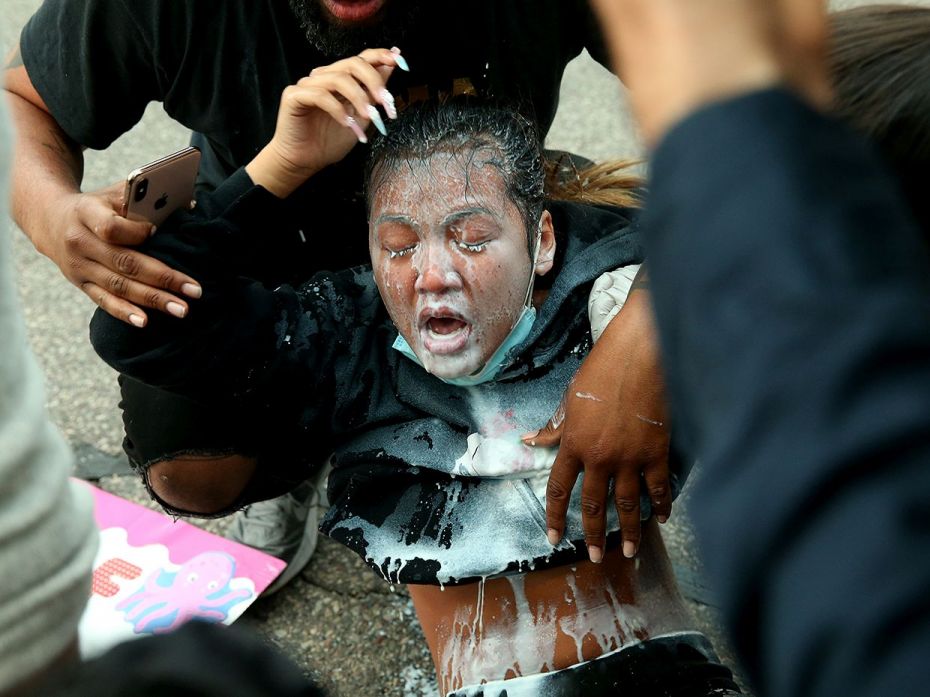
612	426
93	247
323	116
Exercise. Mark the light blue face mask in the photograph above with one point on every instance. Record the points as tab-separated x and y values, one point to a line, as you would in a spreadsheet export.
500	359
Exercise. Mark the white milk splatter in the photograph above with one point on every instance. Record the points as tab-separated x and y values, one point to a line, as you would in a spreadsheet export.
389	550
522	640
610	623
559	416
502	457
649	421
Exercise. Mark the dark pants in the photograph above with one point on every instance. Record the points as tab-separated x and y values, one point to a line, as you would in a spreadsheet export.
681	666
162	425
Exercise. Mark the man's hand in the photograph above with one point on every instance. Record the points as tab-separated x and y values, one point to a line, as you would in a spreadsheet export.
612	425
323	116
678	55
92	245
82	233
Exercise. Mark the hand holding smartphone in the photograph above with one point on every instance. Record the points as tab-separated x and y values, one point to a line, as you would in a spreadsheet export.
156	190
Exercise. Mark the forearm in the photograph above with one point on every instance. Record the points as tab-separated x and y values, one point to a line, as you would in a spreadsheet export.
676	56
47	165
275	173
631	338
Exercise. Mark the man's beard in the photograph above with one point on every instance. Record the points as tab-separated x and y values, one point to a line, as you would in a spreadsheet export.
337	41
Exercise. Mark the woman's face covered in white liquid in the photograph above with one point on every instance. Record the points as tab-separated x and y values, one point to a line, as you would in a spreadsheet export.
451	257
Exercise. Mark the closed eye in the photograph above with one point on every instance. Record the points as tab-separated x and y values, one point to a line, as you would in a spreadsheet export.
398	236
472	246
397	253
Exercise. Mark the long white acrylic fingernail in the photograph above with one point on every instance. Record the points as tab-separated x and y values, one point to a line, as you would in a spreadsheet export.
387	99
375	118
400	60
356	129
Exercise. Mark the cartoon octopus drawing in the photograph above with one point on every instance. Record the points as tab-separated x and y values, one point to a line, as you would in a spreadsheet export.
199	589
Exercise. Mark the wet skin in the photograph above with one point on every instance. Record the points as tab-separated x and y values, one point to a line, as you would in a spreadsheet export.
549	619
450	256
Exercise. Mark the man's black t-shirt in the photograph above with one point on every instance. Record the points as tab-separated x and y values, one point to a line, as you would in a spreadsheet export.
219	68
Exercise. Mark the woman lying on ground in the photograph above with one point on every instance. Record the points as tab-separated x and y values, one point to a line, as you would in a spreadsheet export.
420	373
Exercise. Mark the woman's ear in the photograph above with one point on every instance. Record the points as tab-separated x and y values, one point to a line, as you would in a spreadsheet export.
546	255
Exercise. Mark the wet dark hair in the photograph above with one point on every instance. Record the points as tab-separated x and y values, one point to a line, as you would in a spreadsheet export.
503	137
880	61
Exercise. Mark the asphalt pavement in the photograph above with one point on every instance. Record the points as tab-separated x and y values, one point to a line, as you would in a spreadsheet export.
341	623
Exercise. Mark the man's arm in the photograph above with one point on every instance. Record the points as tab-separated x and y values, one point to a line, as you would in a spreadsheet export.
83	234
50	163
621	436
102	58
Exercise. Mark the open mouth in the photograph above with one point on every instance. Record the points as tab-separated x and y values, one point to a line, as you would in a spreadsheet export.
444	325
353	11
443	331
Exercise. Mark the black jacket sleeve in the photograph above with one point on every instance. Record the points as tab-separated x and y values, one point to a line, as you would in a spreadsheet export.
791	288
241	339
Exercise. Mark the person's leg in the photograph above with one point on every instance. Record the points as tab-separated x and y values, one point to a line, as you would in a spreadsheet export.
202	460
551	619
195	458
200	484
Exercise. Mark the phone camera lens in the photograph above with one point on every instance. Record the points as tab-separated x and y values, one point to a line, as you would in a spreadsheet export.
142	189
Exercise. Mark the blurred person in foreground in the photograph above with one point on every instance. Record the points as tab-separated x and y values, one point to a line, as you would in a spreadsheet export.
792	292
47	534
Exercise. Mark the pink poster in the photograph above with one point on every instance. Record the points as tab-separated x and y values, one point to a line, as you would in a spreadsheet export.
153	573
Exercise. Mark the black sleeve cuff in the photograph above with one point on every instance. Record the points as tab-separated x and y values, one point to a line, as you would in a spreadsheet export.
237	196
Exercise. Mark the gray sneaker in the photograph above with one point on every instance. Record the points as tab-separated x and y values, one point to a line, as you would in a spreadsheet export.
285	527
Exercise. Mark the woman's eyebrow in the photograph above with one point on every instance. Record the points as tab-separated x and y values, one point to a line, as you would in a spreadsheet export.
468	213
397	218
